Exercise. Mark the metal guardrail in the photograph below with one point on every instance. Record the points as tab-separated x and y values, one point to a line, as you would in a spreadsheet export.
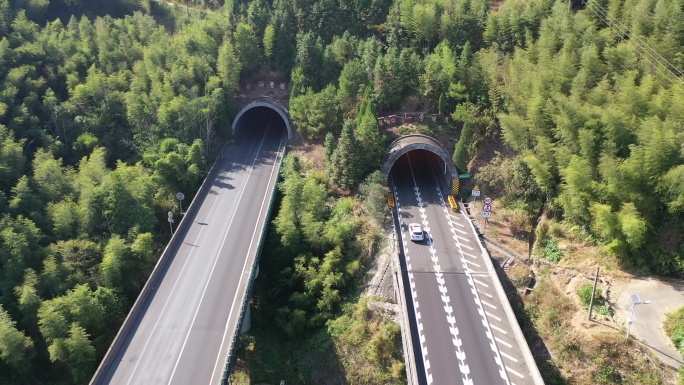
245	302
409	358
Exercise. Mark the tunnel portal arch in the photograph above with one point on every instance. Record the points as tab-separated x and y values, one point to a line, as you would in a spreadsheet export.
264	101
408	143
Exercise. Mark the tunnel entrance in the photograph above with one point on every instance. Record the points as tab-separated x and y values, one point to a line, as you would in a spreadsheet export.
258	112
435	153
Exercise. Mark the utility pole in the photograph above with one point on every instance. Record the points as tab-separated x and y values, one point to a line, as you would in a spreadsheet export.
593	293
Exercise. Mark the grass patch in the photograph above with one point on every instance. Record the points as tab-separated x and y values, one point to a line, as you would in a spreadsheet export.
519	275
674	327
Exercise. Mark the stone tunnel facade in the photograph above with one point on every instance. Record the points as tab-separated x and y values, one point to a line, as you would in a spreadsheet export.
409	143
265	101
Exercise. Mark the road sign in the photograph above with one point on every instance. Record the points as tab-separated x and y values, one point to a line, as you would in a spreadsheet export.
464	176
488	201
475	193
487	208
486	214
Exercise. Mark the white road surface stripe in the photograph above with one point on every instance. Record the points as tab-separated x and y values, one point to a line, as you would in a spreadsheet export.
472	263
493	316
514	372
511	358
502	342
498	329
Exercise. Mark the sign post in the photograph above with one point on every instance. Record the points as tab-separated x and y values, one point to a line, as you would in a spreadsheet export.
180	196
170	214
475	192
487	210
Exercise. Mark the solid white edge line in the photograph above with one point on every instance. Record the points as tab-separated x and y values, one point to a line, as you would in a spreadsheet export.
225	333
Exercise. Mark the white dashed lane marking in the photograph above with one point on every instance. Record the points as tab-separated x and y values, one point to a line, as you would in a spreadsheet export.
471	283
414	294
439	276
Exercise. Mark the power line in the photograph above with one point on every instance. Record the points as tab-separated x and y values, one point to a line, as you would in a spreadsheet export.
634	35
605	17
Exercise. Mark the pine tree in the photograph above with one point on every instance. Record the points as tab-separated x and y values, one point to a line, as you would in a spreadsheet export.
329	146
442	104
344	165
371	141
461	156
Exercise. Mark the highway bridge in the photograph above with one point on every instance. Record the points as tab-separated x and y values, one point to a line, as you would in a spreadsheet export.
183	326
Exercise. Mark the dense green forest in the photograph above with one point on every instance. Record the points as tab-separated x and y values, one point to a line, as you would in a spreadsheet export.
103	107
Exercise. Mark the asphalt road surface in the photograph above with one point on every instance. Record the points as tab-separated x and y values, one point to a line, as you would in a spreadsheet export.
184	335
463	334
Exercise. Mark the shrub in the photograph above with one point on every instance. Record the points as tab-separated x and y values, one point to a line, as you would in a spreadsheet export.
517	223
584	292
551	251
600	306
674	327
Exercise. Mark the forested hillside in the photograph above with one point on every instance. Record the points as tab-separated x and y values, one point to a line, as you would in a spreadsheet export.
103	118
102	121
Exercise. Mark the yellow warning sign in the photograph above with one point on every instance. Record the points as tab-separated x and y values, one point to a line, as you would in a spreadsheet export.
476	187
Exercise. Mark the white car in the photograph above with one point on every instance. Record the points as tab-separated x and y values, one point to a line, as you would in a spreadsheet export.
416	232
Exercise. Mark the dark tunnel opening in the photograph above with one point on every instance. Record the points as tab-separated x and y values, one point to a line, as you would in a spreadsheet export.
252	123
425	163
420	162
